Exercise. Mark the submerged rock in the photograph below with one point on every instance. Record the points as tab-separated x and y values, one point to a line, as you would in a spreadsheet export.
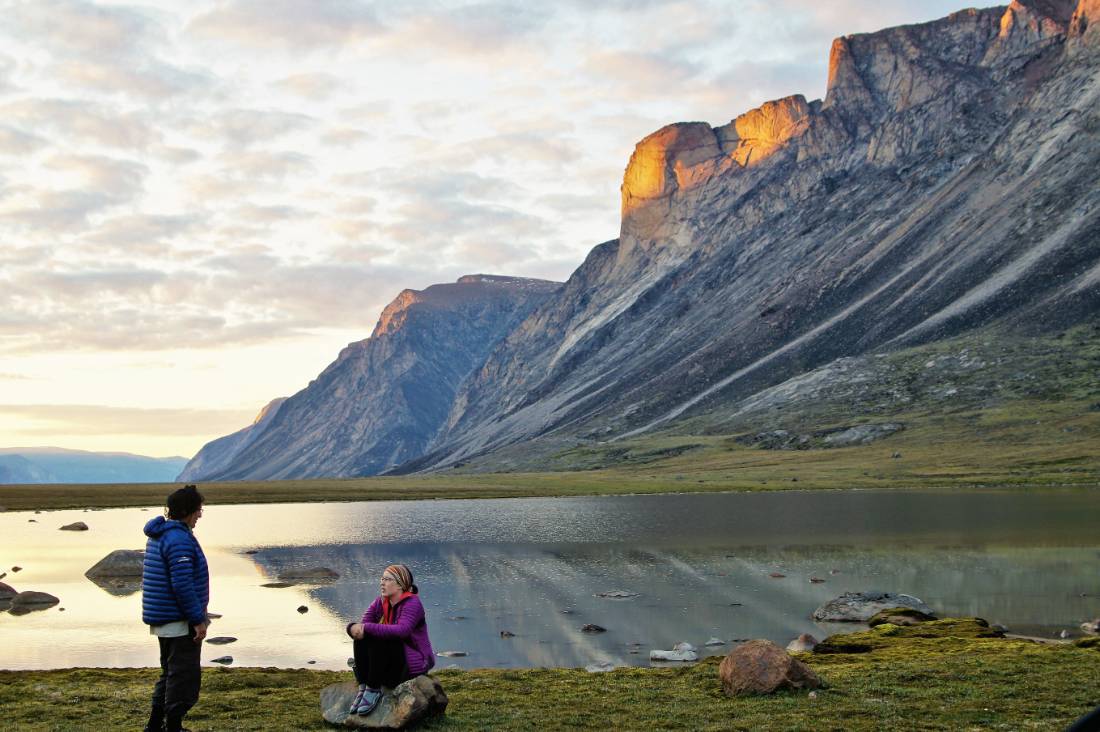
762	667
224	660
221	640
313	574
617	594
31	600
859	607
76	526
451	654
418	698
802	643
680	652
593	628
7	592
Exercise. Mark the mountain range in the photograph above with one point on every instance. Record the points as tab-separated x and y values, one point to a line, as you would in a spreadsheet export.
26	465
944	186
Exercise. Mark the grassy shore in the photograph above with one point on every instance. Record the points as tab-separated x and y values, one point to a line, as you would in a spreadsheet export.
942	675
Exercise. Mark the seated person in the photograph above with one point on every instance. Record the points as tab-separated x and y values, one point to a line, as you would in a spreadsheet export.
391	641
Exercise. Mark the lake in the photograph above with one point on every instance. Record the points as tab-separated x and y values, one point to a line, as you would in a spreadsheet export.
701	566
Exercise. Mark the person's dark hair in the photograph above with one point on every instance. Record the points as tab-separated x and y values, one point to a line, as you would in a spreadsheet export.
184	502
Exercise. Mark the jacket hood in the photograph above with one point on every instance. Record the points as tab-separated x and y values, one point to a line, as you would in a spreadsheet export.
156	527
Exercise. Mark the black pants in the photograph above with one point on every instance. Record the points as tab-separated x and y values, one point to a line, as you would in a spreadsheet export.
380	662
177	689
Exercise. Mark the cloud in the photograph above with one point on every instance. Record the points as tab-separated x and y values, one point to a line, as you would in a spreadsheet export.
266	165
637	74
288	24
80	28
115	178
145	78
313	86
55	212
474	30
94	419
148	234
345	137
81	121
248	127
18	143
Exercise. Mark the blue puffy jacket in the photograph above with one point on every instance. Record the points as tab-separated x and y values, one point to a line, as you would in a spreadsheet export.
175	582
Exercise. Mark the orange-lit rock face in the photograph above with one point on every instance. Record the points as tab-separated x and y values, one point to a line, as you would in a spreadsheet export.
1086	20
666	161
763	130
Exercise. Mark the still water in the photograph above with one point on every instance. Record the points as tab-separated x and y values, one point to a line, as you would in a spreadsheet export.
701	566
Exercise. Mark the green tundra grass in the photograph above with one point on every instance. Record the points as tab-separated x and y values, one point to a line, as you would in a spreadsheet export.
938	676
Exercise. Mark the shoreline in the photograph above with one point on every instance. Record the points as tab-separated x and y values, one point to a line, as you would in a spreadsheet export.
92	496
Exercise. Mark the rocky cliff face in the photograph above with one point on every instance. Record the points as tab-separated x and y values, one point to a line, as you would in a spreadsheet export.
218	456
946	182
384	398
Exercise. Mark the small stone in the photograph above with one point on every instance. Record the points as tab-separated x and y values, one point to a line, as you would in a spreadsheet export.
816	580
812	695
776	575
451	654
76	526
16	569
221	640
507	634
252	551
60	609
1091	626
225	660
735	604
351	663
32	521
1063	634
277	585
311	662
303	609
715	642
999	628
566	612
616	594
457	617
593	628
896	455
600	667
834	571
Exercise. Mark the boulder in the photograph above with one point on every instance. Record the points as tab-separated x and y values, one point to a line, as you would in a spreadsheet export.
1091	626
121	563
762	667
679	652
7	592
859	607
899	616
310	575
118	573
30	600
416	699
802	643
76	526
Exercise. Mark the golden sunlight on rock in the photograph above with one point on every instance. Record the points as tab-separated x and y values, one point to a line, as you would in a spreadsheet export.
763	130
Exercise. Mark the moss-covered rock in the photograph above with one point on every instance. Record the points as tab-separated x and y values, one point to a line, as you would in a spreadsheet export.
887	635
900	616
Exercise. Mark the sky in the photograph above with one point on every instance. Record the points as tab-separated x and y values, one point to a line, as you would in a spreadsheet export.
201	203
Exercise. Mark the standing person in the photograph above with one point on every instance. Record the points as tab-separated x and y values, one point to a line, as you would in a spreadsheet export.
391	641
175	588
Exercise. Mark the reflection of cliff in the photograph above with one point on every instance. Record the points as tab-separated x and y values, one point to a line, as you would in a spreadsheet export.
545	593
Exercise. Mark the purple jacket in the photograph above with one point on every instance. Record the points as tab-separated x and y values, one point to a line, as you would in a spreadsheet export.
409	625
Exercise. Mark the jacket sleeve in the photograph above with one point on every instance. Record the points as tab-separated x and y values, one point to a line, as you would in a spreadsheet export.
412	615
182	560
373	613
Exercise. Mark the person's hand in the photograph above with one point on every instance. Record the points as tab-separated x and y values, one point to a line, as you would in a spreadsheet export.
357	631
200	631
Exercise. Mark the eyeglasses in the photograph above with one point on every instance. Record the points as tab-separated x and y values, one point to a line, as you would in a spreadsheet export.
387	578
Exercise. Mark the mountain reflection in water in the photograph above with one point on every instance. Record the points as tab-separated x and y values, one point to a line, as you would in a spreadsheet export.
701	566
